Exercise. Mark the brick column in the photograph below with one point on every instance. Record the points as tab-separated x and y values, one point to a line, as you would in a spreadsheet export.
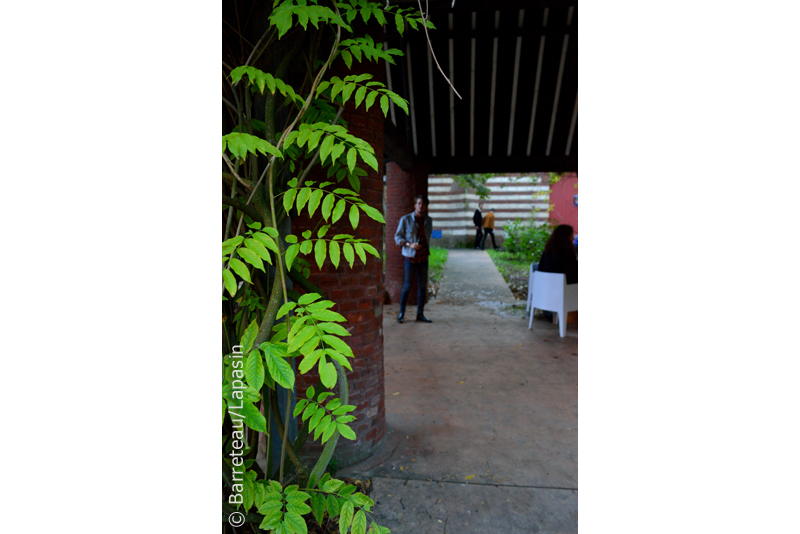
358	293
401	188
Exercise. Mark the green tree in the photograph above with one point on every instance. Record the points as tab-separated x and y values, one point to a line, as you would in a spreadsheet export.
285	110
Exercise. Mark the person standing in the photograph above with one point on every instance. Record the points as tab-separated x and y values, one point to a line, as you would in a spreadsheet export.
488	228
477	220
414	235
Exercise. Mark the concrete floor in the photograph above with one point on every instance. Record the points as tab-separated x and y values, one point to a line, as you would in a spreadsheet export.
481	414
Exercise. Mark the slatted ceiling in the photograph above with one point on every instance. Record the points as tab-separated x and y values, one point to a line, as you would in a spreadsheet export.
461	128
567	105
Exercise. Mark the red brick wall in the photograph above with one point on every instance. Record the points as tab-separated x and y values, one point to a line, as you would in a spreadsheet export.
561	197
358	293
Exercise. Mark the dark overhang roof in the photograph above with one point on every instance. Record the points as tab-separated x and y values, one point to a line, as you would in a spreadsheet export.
515	64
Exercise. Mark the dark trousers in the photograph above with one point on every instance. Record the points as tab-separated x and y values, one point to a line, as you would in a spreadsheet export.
488	231
478	237
420	270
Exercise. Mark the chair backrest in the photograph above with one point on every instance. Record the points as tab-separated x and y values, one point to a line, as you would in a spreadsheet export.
548	291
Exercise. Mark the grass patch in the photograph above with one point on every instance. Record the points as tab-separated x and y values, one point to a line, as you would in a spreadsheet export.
436	263
514	270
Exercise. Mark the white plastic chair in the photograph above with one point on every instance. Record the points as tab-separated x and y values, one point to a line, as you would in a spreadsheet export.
534	267
552	293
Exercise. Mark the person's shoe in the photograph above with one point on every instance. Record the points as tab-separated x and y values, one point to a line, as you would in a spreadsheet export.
422	319
400	317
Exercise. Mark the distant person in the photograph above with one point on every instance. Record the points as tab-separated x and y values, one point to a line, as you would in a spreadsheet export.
414	234
559	254
477	220
488	228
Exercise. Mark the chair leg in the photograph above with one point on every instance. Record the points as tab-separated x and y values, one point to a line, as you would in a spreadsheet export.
530	320
562	323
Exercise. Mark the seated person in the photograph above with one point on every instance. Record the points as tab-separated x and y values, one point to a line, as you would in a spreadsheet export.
559	254
559	257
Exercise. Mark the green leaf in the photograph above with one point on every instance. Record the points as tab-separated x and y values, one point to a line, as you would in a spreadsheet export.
272	518
288	199
338	210
250	257
310	410
360	94
348	59
369	248
298	508
359	523
333	328
302	197
354	216
369	158
337	151
338	344
253	418
279	370
254	369
330	428
347	248
373	213
268	242
332	486
319	252
334	253
318	505
327	373
309	361
398	101
323	230
296	522
301	337
308	298
322	86
327	315
224	409
231	244
327	206
319	413
385	105
339	357
398	20
346	431
298	496
360	251
230	281
348	91
370	99
299	407
291	254
351	159
259	249
345	517
326	147
334	505
306	246
249	336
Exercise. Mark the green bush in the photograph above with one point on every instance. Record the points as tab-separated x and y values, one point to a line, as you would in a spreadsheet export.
526	241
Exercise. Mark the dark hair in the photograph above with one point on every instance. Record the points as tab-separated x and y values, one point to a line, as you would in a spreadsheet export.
560	240
423	197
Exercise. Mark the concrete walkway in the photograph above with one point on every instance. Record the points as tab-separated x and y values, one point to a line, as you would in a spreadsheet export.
481	414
